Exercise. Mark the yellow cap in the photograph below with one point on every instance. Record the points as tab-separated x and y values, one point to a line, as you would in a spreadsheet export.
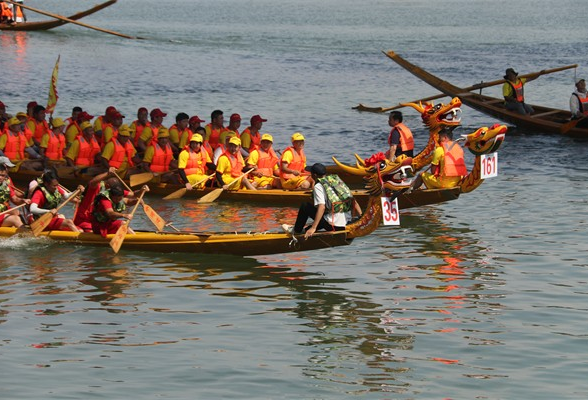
85	125
124	130
14	121
57	122
163	132
267	136
297	136
197	138
235	140
21	114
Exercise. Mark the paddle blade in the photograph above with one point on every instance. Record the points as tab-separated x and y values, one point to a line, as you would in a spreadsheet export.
154	217
39	225
178	194
117	241
565	128
210	197
139	179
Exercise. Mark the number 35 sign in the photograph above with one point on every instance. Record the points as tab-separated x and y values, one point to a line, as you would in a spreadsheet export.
390	211
489	165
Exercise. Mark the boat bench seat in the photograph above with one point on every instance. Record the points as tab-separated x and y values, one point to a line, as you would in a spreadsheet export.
545	113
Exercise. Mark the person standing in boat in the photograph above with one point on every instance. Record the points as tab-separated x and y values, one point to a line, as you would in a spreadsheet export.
513	92
292	165
579	104
400	138
448	165
331	208
45	199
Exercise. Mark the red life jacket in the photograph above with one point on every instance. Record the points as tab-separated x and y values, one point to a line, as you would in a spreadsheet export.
237	163
297	164
120	152
55	146
87	151
196	161
15	145
267	161
453	161
161	158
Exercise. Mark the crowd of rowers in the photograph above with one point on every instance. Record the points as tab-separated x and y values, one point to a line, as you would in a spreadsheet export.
186	152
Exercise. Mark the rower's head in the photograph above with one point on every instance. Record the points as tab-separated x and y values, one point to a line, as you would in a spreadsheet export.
142	115
395	118
228	136
30	107
298	141
50	180
39	113
217	118
257	122
124	134
317	170
196	141
117	119
234	144
581	85
87	129
157	116
15	124
117	192
182	121
163	136
266	141
510	74
234	121
445	135
6	163
195	122
3	172
58	125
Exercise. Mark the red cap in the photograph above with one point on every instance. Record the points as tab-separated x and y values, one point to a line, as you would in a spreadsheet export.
142	109
256	118
85	116
32	104
109	110
195	119
116	115
2	105
235	117
156	112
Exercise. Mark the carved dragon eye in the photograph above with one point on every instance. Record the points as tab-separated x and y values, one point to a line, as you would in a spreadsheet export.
382	165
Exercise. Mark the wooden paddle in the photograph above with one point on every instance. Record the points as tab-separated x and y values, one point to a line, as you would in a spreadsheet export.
71	21
117	241
480	85
212	196
139	179
565	128
155	218
39	225
12	209
178	194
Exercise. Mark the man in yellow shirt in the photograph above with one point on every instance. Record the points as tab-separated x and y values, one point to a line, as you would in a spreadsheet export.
266	173
52	145
230	167
177	130
150	132
193	163
73	130
159	158
292	166
120	153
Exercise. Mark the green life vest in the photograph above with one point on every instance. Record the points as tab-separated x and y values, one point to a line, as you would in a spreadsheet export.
101	216
52	200
4	196
339	197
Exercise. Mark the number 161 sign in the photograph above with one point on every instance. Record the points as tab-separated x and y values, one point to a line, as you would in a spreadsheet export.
390	211
489	165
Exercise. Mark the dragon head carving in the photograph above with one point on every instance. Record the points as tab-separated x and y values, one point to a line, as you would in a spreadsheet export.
383	174
485	140
437	116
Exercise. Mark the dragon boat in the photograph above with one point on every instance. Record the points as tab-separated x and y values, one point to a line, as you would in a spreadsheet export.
46	25
239	244
274	197
543	120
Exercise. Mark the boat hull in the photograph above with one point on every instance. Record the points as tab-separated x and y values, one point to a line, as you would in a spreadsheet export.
46	25
238	244
543	120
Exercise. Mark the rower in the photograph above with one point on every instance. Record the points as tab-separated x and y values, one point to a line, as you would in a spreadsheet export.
150	132
8	195
120	153
103	120
139	124
264	160
215	128
83	151
14	146
400	138
177	130
194	162
159	158
292	164
73	130
53	143
250	137
230	166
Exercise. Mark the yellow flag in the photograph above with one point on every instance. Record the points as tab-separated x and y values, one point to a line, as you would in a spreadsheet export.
53	89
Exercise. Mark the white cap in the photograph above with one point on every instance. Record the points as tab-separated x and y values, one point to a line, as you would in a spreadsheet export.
6	161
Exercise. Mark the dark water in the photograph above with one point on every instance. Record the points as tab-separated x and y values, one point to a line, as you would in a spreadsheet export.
483	297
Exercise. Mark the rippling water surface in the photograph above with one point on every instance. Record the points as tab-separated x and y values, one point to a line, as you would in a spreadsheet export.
483	297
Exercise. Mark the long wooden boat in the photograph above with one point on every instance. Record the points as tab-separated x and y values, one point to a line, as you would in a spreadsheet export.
238	244
274	197
543	120
46	25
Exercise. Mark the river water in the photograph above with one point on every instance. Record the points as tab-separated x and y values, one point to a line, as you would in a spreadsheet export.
483	297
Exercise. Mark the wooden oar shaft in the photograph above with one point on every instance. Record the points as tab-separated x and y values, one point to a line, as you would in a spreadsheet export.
12	209
71	21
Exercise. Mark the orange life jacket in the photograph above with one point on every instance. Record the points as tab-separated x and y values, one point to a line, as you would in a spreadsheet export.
106	125
138	131
267	161
5	11
214	137
27	133
237	163
518	90
15	145
196	161
161	158
297	164
40	128
120	152
583	103
255	139
55	146
87	151
406	139
453	161
154	133
77	127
